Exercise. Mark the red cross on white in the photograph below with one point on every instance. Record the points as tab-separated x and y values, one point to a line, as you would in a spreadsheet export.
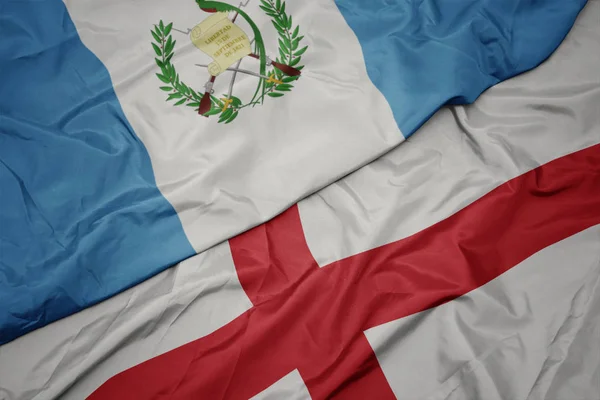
312	319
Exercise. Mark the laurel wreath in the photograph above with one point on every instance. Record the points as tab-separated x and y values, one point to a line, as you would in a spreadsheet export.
289	50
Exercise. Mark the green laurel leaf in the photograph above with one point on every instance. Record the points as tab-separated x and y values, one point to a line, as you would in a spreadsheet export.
232	117
175	95
180	102
167	72
236	101
283	45
213	111
217	101
157	50
277	27
284	87
163	78
226	114
168	29
280	19
301	51
274	94
170	45
295	44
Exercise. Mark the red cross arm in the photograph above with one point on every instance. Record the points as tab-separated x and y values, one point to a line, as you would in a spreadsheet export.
312	319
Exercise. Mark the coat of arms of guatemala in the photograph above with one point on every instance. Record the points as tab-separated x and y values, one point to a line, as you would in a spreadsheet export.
227	44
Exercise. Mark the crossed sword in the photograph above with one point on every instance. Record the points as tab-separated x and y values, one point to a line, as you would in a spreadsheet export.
235	70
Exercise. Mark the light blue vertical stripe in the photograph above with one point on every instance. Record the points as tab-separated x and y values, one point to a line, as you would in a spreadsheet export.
422	54
81	218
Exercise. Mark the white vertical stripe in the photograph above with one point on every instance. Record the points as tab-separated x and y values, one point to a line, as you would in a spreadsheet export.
222	179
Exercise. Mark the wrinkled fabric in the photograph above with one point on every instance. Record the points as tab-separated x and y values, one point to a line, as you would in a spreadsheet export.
79	204
454	49
526	121
530	332
512	338
103	186
104	183
72	206
312	318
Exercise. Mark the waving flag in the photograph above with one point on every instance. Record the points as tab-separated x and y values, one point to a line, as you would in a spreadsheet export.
105	184
463	264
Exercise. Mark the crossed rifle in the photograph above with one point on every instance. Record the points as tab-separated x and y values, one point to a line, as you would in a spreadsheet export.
205	103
